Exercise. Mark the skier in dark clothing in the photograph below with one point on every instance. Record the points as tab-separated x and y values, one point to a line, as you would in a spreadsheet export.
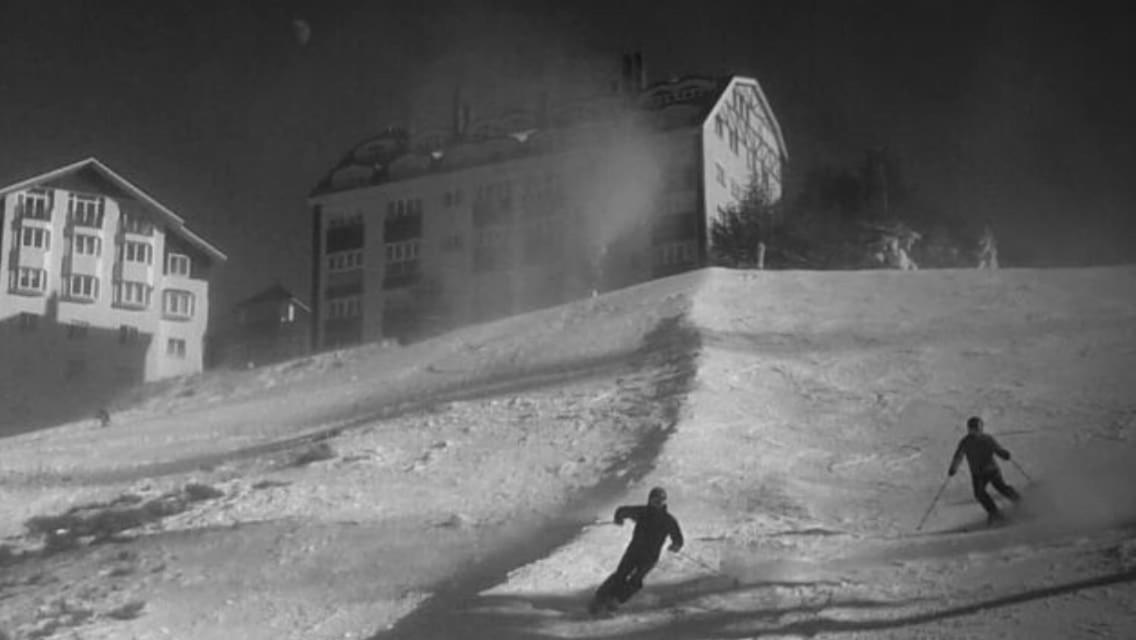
653	524
979	450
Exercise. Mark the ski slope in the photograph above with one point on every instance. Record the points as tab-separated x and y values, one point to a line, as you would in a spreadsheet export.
801	422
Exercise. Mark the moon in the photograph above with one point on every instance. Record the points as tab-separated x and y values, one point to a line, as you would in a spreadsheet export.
302	30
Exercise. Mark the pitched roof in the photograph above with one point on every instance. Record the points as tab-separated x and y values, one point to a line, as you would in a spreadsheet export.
390	157
175	222
764	105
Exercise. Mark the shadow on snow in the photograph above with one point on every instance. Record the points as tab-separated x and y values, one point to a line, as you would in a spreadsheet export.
671	349
522	617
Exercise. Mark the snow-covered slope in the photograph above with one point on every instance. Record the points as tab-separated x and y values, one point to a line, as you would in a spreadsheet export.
802	422
824	413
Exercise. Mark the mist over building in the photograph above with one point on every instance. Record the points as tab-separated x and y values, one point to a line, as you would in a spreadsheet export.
500	202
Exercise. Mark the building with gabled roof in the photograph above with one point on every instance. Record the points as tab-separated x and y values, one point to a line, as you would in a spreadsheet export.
460	222
103	287
269	326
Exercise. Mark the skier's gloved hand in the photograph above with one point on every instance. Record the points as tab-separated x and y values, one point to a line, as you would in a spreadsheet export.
619	521
675	547
950	473
1005	455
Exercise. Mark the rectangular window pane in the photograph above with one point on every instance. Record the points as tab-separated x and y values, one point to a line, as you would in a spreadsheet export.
177	264
83	287
87	245
178	304
175	347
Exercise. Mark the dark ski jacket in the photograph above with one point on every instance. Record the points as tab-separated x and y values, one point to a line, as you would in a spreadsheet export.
979	450
652	526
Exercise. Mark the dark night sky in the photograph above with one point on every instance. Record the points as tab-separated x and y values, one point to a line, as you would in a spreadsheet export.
1016	112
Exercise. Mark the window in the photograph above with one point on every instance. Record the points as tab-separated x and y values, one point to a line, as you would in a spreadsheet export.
29	280
77	330
719	125
87	245
177	304
28	321
288	315
86	211
733	140
82	287
127	334
345	261
175	347
134	251
36	203
344	308
403	220
344	233
135	223
401	263
720	172
177	264
402	251
36	238
132	294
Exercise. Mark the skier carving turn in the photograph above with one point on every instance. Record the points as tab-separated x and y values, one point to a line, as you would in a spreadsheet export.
653	525
979	450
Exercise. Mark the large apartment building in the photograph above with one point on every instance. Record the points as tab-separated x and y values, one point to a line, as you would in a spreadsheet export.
475	219
103	287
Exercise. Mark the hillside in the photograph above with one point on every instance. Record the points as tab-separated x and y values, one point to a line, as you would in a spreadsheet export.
801	421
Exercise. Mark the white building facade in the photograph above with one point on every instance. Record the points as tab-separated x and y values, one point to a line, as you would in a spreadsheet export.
103	287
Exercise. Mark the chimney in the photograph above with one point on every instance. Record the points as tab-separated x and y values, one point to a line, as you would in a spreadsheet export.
639	79
628	72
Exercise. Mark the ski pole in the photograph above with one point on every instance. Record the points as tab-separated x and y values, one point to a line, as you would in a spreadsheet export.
697	561
933	503
1027	476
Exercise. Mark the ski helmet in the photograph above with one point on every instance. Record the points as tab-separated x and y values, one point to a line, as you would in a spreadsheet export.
974	424
657	496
